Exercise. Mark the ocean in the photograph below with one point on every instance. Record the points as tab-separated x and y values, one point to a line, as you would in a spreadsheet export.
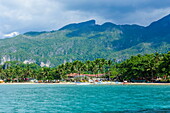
52	98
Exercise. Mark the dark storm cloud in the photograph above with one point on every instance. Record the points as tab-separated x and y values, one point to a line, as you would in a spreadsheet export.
122	11
121	5
38	15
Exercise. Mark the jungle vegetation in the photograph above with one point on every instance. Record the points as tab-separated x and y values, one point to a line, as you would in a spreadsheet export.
147	67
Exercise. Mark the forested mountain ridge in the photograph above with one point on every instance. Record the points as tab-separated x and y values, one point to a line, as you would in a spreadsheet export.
87	41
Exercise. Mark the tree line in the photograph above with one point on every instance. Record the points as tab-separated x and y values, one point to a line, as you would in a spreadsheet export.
148	67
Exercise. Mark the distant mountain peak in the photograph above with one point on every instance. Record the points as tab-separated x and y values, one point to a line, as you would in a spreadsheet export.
163	22
78	25
109	24
160	27
89	22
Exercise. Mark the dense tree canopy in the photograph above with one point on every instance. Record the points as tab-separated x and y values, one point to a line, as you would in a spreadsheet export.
148	67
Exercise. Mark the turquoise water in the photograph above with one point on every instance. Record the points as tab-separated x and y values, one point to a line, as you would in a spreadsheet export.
85	99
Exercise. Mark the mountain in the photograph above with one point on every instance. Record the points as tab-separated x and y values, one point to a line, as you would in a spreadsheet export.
87	41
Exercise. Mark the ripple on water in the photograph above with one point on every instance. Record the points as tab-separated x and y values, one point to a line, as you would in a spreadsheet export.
91	98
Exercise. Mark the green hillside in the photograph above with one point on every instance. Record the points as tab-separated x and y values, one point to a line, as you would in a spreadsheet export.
87	41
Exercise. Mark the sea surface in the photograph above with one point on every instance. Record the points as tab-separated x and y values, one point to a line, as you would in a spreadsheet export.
51	98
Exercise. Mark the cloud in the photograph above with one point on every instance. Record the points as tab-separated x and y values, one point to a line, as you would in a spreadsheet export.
40	15
141	12
31	15
10	35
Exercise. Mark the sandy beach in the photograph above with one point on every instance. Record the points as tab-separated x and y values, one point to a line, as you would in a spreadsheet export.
72	83
69	83
146	83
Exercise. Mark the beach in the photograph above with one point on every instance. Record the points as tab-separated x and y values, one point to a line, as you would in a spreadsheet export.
73	83
147	83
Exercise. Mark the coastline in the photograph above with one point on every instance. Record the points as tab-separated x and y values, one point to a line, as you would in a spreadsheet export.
72	83
22	83
146	83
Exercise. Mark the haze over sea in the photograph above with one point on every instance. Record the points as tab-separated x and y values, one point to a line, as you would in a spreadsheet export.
89	98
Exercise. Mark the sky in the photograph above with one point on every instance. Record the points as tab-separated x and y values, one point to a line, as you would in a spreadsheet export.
20	16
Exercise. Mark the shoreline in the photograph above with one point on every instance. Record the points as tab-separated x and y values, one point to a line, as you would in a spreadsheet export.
146	83
22	83
72	83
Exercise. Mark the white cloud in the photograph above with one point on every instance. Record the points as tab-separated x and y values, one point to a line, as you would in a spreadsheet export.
39	15
10	35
